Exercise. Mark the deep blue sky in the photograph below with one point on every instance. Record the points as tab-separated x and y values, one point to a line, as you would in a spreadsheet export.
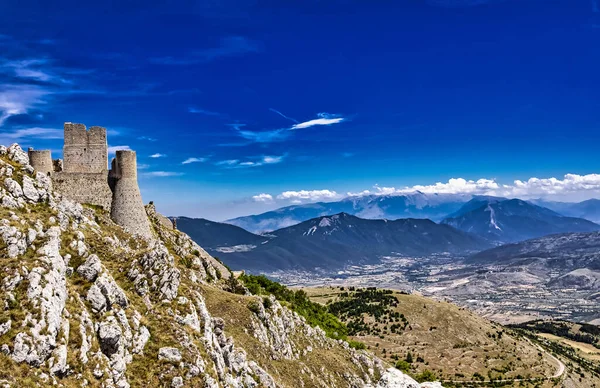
406	93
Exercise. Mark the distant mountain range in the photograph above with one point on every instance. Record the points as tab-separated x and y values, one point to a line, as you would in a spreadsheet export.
332	242
590	209
575	256
416	205
216	236
435	207
509	220
581	250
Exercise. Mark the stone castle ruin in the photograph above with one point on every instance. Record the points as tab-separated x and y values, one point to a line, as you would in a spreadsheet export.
83	176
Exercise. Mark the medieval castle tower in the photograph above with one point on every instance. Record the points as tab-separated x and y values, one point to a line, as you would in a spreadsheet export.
83	176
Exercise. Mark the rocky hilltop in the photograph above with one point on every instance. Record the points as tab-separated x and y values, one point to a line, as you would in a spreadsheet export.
87	304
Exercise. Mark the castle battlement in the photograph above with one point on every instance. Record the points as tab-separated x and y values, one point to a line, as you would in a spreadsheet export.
83	176
85	151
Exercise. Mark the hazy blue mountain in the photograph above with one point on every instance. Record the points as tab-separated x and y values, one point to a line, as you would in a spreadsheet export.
590	209
331	242
215	236
475	203
414	205
566	251
513	220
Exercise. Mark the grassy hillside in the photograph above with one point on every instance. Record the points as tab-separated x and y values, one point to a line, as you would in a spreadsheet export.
428	338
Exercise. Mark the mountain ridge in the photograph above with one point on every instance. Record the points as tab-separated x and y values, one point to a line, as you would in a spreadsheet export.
436	207
330	242
414	205
510	220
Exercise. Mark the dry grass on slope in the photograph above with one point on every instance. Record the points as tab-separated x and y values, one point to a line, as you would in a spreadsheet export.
450	341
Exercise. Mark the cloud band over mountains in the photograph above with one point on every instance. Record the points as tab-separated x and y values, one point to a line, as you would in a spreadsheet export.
572	187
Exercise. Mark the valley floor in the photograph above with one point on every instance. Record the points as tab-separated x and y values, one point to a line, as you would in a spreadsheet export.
502	294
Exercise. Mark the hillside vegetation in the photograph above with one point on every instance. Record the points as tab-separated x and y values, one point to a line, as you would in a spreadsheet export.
87	304
430	339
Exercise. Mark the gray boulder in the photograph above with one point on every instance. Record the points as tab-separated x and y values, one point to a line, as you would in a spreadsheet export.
90	268
169	354
96	299
177	382
109	335
29	189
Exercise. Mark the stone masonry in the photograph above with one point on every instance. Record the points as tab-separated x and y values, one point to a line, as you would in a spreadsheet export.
83	176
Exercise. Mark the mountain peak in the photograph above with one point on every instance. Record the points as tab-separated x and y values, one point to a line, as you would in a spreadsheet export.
510	220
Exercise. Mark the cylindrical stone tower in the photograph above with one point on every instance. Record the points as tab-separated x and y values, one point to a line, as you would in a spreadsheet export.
41	160
127	206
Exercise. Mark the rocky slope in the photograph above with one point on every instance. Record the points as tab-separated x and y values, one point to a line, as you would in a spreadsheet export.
86	304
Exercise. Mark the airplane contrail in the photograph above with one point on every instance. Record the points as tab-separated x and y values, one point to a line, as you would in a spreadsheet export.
282	115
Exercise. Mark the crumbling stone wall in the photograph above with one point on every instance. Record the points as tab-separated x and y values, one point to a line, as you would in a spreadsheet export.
84	187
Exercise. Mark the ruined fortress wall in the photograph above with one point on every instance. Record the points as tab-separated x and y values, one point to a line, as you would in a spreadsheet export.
41	160
85	151
84	187
127	206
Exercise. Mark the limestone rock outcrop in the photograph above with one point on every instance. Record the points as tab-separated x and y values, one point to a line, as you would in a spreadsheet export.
86	303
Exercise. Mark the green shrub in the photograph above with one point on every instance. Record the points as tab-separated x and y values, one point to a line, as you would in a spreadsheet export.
267	302
357	345
314	313
426	375
403	366
254	307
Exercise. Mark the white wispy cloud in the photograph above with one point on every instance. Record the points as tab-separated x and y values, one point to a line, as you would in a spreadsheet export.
34	132
453	186
309	195
37	69
569	184
265	136
263	197
157	155
203	111
147	138
272	159
228	47
194	160
571	187
229	162
281	134
162	174
324	119
17	99
114	149
253	162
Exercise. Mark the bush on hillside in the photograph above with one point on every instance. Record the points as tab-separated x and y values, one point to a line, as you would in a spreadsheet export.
314	313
